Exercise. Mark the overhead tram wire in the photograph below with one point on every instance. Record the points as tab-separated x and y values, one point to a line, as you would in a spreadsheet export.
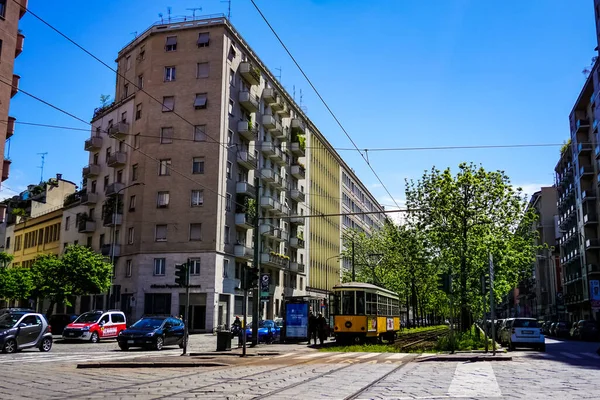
322	100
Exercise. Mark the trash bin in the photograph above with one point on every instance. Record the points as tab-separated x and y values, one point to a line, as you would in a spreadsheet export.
223	341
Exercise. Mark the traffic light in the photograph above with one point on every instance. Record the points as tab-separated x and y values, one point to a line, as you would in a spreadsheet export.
445	282
485	283
250	278
181	274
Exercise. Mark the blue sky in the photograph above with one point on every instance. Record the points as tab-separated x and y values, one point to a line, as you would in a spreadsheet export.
397	73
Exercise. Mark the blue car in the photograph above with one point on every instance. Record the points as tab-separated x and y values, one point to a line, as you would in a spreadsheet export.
268	331
152	332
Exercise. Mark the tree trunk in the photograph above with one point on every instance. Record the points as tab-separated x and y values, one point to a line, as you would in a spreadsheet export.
464	313
50	308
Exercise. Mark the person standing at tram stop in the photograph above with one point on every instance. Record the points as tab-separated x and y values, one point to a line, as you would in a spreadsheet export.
321	328
312	327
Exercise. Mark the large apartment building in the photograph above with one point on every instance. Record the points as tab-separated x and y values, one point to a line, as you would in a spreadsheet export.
11	45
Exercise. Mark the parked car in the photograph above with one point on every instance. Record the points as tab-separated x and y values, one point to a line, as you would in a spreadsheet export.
503	336
524	332
21	330
584	330
15	309
153	332
497	328
58	322
96	325
561	329
267	331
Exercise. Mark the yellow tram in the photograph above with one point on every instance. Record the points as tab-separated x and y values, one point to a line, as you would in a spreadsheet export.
363	312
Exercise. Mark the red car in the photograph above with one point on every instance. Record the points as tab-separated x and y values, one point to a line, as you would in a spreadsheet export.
96	325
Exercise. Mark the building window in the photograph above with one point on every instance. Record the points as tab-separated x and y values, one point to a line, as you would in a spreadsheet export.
128	268
202	70
3	10
105	182
197	198
232	53
107	154
120	176
138	111
230	109
127	63
130	235
228	171
201	101
142	53
125	90
228	202
124	116
160	233
162	200
171	43
231	78
132	203
166	135
67	223
195	232
100	240
169	74
226	234
194	264
168	103
200	133
225	268
134	172
136	141
229	137
159	266
203	39
163	168
140	82
198	165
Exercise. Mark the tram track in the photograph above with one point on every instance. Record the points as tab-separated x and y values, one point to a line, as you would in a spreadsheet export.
420	337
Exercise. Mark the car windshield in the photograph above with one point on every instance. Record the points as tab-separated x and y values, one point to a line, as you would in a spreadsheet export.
9	320
525	323
148	323
266	324
88	317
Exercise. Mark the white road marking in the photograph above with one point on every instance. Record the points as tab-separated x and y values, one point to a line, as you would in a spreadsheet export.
340	355
396	356
474	380
569	355
367	355
312	355
287	355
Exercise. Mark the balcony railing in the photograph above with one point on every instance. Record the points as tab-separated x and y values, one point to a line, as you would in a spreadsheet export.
271	124
297	149
296	242
113	219
243	220
89	198
270	96
273	260
114	188
582	125
586	170
270	231
268	174
250	73
248	130
241	251
297	195
297	126
268	148
248	101
5	169
23	8
592	243
584	148
298	171
91	170
10	127
590	219
247	160
94	143
110	250
119	130
297	219
15	85
117	159
277	155
588	194
19	47
267	202
245	188
297	267
85	226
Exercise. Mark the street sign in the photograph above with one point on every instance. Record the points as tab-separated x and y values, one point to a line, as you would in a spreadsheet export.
265	280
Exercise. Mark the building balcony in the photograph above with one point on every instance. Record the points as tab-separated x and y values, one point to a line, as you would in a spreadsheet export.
297	149
273	260
268	148
117	159
114	188
270	96
5	169
248	101
297	267
298	126
267	202
119	130
277	155
111	250
296	242
23	8
593	269
243	220
590	219
298	171
113	219
246	189
247	160
10	127
268	174
270	123
89	198
270	231
297	195
86	226
250	73
19	46
279	181
584	149
582	125
284	111
296	219
248	130
93	144
15	85
588	194
276	208
243	252
91	170
592	243
277	105
586	171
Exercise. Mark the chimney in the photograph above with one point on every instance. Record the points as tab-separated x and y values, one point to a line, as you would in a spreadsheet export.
58	177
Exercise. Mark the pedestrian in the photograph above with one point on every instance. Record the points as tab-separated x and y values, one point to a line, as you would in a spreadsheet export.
312	328
322	328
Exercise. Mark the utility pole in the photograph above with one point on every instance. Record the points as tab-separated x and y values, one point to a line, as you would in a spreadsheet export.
353	262
255	290
186	314
492	311
244	309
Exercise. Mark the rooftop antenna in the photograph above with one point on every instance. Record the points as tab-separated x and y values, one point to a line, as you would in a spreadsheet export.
134	34
169	13
278	76
301	98
294	92
228	8
42	166
160	15
193	10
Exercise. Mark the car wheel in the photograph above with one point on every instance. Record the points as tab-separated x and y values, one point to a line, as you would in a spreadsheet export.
181	345
543	348
46	345
123	347
10	346
94	338
158	345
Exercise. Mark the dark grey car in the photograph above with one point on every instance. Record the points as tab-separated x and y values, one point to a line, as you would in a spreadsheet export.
22	330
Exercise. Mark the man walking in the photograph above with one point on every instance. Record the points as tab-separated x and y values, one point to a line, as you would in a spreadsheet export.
312	328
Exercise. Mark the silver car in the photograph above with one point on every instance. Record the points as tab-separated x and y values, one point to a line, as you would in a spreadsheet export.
22	330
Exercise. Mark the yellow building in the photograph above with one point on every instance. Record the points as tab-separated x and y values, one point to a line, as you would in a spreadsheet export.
36	236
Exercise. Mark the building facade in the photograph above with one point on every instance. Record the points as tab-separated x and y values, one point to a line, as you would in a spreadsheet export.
11	45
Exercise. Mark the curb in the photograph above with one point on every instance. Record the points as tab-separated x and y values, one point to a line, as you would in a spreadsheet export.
474	358
236	354
148	365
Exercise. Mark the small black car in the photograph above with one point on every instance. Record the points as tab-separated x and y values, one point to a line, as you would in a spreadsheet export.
153	332
58	322
21	330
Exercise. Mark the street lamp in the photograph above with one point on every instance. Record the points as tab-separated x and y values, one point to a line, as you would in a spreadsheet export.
338	256
114	234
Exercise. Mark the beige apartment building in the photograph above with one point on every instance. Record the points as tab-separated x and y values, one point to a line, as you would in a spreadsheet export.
11	45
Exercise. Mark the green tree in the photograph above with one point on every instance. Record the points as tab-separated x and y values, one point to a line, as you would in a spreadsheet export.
15	282
79	271
467	217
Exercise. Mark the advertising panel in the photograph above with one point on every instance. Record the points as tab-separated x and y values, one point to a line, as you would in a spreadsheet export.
296	320
265	279
372	324
595	293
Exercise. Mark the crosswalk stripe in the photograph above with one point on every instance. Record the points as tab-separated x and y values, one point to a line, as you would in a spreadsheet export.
368	355
474	380
340	355
312	355
569	355
396	356
286	355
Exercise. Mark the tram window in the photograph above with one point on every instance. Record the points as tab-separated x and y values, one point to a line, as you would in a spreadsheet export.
348	303
360	303
371	303
334	303
381	305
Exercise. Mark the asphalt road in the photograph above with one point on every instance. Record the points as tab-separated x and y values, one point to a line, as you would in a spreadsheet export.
567	370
